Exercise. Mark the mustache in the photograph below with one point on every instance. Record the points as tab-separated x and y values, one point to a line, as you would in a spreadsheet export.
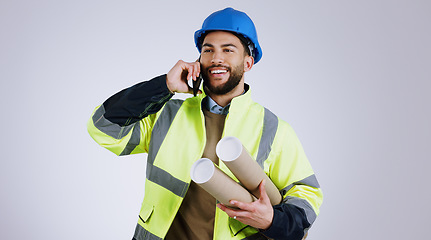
218	65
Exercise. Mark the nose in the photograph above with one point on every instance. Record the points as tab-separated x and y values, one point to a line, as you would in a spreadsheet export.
217	57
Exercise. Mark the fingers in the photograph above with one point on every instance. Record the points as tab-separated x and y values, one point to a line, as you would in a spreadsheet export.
190	70
248	207
197	70
230	211
263	194
258	214
242	205
178	76
193	69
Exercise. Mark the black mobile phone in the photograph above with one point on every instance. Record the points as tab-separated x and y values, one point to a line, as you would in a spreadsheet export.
196	85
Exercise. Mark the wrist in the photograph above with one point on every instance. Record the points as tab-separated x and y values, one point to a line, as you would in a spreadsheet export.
268	223
169	86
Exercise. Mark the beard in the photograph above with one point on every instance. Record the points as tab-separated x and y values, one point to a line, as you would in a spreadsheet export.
235	77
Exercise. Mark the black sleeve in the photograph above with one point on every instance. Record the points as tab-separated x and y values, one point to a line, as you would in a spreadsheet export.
289	222
134	103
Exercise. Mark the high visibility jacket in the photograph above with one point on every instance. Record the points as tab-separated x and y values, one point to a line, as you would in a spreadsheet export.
175	137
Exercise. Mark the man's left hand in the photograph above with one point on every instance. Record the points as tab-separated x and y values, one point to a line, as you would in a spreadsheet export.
257	214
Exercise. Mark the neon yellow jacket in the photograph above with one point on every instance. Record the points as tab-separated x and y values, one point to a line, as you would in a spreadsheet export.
174	138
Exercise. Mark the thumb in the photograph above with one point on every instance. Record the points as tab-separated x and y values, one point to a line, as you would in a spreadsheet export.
262	191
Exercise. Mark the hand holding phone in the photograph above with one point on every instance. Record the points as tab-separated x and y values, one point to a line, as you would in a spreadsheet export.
177	79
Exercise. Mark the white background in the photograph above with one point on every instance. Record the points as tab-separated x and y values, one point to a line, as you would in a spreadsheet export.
353	78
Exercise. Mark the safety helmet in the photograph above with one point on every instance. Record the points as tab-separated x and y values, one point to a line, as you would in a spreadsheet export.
231	20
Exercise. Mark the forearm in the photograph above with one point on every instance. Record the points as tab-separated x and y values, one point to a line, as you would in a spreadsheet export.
298	210
134	103
123	123
289	222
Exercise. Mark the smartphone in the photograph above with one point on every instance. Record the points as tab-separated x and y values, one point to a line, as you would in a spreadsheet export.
196	85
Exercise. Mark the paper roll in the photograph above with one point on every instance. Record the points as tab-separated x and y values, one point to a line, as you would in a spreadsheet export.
217	183
236	157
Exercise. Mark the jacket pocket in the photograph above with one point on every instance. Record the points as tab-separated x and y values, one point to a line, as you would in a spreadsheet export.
236	226
243	231
146	212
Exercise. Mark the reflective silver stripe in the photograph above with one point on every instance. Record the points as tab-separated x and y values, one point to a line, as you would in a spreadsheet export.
142	234
309	181
155	174
166	180
111	129
162	126
116	131
270	125
303	204
299	202
134	140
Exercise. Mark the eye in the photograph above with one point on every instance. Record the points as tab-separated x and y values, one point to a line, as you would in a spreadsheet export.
206	50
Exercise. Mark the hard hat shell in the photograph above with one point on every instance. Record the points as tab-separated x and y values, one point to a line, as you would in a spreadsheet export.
230	20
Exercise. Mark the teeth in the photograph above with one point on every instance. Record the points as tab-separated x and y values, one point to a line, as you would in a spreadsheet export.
218	71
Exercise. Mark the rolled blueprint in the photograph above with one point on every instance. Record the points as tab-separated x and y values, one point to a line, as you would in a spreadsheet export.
217	183
236	157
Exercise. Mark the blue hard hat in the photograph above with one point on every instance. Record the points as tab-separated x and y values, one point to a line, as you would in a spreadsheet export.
231	20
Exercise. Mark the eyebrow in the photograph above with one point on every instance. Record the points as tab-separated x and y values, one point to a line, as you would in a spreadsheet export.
224	45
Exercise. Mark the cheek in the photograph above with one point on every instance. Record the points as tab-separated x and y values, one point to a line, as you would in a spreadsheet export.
205	57
205	63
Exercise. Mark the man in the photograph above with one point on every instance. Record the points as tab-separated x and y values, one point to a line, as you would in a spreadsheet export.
176	133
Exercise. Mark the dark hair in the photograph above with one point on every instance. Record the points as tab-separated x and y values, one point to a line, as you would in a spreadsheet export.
246	43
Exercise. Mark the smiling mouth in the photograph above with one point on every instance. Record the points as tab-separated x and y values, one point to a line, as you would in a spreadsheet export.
218	71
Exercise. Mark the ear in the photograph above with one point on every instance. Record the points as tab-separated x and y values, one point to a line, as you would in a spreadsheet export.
248	63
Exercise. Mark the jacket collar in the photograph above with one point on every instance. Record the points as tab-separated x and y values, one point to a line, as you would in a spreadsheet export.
240	101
